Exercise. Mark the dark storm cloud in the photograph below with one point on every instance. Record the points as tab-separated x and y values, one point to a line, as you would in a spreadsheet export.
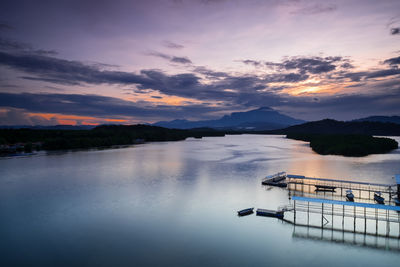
174	59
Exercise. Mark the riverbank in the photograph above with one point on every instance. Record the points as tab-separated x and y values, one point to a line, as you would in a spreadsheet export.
348	145
18	140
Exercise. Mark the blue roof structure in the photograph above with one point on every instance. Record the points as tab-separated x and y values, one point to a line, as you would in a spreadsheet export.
347	203
397	178
296	176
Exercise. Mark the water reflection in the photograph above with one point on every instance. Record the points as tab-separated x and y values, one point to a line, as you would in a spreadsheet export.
346	238
169	203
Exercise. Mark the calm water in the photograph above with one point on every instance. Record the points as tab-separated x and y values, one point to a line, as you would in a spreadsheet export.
172	204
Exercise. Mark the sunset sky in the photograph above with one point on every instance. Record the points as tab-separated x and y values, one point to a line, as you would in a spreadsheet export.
94	62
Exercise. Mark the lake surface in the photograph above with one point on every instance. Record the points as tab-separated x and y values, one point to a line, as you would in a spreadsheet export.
173	204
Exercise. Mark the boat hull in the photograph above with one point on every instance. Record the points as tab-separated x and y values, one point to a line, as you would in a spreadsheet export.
245	212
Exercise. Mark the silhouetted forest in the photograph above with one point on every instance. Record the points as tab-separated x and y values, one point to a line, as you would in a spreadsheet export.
346	144
101	136
329	126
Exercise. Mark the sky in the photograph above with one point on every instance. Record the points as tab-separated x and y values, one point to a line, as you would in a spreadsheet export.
125	62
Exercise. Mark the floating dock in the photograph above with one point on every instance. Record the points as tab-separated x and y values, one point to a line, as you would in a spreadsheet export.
365	213
332	211
270	213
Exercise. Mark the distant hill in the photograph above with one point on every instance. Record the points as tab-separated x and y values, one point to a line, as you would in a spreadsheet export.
392	119
329	126
24	139
263	118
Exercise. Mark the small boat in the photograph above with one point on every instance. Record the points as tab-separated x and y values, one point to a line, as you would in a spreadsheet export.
271	183
397	201
349	195
378	198
270	213
245	212
275	180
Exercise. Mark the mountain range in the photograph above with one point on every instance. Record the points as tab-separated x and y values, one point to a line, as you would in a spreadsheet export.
263	118
266	119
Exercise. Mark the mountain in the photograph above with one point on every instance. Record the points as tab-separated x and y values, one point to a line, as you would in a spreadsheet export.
264	118
392	119
329	126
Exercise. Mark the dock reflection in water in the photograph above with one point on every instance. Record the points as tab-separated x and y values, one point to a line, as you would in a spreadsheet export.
346	238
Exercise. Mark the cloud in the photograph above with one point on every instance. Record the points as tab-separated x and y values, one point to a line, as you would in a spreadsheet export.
11	45
182	60
172	45
5	26
6	44
209	73
241	91
313	65
60	71
174	59
392	61
394	31
255	63
312	107
315	9
95	105
14	116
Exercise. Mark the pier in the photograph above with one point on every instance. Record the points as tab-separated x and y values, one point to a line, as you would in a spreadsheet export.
320	203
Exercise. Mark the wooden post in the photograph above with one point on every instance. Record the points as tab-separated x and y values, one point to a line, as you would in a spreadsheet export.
376	218
322	216
387	223
343	219
365	220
